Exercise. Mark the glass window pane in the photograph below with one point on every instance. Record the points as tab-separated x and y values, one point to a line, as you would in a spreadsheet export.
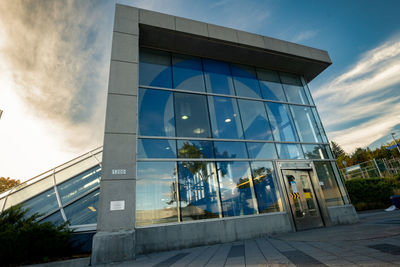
198	190
261	150
191	115
55	218
155	68
319	124
328	183
156	148
306	126
187	73
255	121
271	87
237	197
245	81
230	150
225	120
315	152
293	88
289	151
281	122
266	190
80	184
156	113
195	149
84	210
307	90
42	203
156	193
218	77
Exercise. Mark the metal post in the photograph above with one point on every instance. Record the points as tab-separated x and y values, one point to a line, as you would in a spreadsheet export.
377	167
398	149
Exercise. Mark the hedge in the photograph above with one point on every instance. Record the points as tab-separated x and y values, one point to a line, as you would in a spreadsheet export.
372	193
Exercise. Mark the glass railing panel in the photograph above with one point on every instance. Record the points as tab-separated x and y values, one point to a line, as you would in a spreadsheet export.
62	174
42	204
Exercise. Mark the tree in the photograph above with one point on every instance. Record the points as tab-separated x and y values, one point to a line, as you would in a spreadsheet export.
337	150
7	183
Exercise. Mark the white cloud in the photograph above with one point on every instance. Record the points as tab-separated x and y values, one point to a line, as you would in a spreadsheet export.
364	92
304	35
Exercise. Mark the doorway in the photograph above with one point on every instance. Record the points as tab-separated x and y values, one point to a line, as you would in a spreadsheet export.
302	200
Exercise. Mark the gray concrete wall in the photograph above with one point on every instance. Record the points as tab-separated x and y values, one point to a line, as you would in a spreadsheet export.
345	214
196	233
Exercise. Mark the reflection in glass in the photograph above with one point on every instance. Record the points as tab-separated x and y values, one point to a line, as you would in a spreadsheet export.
319	124
261	150
195	149
191	115
271	87
187	73
293	88
156	199
156	148
255	120
281	122
198	190
83	211
289	151
307	90
268	197
42	203
306	126
315	152
237	194
55	218
328	183
218	77
156	113
155	68
245	80
230	150
225	119
77	186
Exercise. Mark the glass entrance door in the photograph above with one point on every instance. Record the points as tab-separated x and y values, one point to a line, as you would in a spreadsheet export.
303	202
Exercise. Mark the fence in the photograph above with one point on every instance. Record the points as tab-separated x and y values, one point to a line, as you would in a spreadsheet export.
372	168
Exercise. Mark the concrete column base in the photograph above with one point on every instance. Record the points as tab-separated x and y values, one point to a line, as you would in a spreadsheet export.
345	214
113	247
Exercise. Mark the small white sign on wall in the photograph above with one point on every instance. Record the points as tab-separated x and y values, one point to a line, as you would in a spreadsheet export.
118	171
117	205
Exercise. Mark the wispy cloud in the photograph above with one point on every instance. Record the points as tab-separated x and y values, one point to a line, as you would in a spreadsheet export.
367	92
304	35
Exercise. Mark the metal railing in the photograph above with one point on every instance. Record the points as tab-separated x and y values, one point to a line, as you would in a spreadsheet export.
372	168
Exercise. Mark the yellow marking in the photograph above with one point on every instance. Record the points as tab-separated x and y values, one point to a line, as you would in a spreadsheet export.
307	195
91	208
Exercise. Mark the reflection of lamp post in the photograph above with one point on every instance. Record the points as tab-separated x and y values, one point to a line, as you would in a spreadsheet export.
1	113
398	149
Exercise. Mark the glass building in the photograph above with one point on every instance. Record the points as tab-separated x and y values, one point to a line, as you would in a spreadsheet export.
211	136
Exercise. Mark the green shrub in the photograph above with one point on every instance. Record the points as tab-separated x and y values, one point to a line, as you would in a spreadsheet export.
371	193
24	240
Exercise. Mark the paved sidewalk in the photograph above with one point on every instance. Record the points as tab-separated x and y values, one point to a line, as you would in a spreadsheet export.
375	241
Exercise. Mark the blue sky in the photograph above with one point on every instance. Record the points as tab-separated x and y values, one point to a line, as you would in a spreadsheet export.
54	63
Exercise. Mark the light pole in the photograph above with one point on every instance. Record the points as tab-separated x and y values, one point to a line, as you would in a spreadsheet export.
1	113
398	149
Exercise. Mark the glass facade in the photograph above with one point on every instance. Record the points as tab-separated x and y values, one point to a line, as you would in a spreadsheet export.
208	138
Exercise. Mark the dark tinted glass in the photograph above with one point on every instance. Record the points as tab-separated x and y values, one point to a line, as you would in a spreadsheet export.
237	196
315	152
245	80
155	68
55	218
188	73
255	121
198	190
271	87
80	184
84	210
230	150
191	115
218	77
42	203
156	200
156	148
225	119
195	149
267	192
156	113
289	151
281	122
306	126
293	88
261	150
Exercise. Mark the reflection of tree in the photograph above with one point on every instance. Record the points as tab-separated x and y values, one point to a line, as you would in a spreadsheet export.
260	174
313	154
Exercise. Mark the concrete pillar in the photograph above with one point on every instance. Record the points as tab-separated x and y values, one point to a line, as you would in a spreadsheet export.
115	237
